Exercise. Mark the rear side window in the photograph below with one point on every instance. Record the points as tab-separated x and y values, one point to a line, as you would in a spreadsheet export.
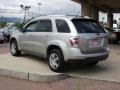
87	26
62	26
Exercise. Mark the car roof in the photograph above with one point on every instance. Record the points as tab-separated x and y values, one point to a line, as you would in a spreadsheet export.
62	17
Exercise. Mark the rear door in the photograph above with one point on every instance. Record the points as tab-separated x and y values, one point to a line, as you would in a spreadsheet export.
93	38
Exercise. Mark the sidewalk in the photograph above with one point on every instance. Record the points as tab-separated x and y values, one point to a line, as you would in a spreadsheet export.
27	67
36	69
7	83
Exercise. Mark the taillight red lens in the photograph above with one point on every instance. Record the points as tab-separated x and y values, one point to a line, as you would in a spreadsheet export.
74	41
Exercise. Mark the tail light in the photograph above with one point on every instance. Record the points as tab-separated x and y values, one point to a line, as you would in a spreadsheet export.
74	41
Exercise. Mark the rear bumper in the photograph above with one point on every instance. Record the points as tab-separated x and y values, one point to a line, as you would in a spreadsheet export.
76	55
89	59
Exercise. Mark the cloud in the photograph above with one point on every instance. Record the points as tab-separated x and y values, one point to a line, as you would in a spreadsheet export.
47	6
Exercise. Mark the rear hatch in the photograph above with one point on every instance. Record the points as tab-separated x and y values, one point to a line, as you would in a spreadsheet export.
92	37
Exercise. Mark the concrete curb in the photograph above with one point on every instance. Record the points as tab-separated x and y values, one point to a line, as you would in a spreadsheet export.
95	78
15	74
47	78
32	77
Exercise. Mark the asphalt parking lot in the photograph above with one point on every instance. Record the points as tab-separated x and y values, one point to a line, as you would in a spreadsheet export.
4	48
107	70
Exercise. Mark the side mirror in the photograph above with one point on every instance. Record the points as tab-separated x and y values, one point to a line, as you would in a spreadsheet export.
22	30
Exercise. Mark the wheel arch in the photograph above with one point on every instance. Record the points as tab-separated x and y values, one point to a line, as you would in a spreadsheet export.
13	38
53	47
61	46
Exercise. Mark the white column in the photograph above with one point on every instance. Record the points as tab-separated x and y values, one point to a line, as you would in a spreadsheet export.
89	10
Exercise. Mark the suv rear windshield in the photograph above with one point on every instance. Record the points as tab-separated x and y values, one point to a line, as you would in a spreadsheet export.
87	26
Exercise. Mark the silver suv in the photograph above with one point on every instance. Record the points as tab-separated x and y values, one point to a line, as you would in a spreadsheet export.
62	39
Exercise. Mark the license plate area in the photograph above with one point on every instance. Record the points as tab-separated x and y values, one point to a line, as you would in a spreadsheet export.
94	43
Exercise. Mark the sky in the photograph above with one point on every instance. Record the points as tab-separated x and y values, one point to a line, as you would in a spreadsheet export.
47	6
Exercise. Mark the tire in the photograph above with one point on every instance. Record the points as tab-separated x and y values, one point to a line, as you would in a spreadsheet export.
14	48
93	63
56	60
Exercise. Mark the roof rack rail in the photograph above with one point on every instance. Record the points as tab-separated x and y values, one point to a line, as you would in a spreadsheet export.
85	16
79	16
57	15
70	16
61	15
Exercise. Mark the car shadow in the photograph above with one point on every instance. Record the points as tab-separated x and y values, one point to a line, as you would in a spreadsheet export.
71	68
35	58
85	69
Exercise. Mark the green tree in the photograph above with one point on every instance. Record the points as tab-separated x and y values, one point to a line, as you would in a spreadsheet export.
19	25
3	24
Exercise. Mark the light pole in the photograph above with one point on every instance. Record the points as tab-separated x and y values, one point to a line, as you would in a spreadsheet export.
39	4
24	8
